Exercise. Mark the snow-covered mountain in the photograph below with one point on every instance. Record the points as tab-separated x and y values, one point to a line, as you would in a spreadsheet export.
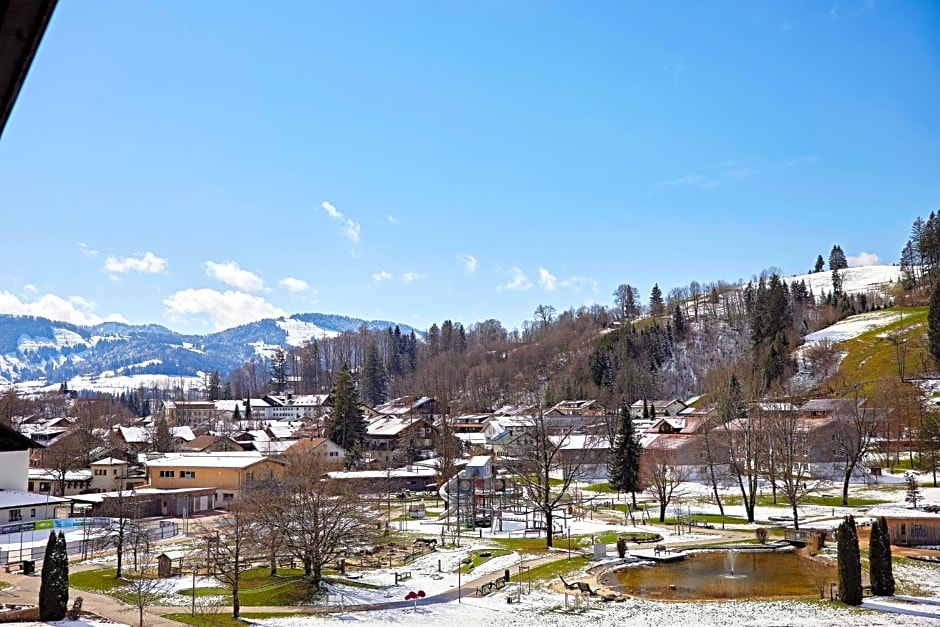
44	352
860	280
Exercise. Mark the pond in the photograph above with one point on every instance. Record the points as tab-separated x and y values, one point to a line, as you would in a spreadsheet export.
724	575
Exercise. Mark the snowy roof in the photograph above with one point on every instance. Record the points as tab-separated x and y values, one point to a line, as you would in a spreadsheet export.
472	438
395	473
896	511
390	426
241	459
778	406
274	447
52	475
479	461
581	442
831	404
109	461
134	435
15	498
402	405
183	433
98	497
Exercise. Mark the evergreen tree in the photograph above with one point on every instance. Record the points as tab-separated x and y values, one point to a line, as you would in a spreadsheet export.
850	563
657	307
624	463
237	414
836	282
933	324
372	382
678	322
646	410
279	369
347	426
248	408
837	260
881	571
913	495
819	264
162	439
54	584
214	388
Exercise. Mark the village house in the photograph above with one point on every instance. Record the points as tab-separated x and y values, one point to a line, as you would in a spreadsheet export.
227	473
321	449
656	408
583	456
211	444
44	481
909	527
589	407
423	407
389	438
17	505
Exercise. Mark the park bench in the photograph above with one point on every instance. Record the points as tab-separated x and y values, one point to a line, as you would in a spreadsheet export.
585	587
569	586
659	549
403	576
490	586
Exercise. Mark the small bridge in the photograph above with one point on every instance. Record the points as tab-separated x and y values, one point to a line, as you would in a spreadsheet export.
799	537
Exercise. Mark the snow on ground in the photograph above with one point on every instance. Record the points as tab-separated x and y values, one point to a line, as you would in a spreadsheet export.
547	610
860	280
299	331
112	383
841	331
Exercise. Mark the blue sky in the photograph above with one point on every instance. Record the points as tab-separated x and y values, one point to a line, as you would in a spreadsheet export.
203	164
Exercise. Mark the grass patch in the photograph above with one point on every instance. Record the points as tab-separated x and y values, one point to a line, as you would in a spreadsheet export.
204	592
599	487
836	501
103	580
547	573
478	558
631	536
872	358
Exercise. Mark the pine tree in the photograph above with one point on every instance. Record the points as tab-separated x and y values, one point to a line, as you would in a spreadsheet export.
372	383
850	563
347	425
819	264
248	408
279	369
624	464
837	260
933	324
657	307
237	414
678	322
162	439
881	570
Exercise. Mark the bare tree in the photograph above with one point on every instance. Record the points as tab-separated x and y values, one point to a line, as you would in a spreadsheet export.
142	584
317	518
747	453
539	461
64	455
788	436
662	476
237	540
853	438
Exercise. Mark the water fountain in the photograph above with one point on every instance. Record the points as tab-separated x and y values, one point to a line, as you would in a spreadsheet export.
729	574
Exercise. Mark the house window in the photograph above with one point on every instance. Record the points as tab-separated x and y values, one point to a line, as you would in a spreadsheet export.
44	487
167	473
188	474
32	512
250	475
15	515
228	496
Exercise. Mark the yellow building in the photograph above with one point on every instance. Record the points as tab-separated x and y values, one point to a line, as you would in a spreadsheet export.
228	473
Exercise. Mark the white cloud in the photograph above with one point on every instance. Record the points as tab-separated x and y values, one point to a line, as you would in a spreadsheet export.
29	287
692	180
863	259
547	280
577	282
469	262
519	280
350	229
148	263
224	309
231	274
392	219
294	285
74	309
411	277
378	277
88	252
